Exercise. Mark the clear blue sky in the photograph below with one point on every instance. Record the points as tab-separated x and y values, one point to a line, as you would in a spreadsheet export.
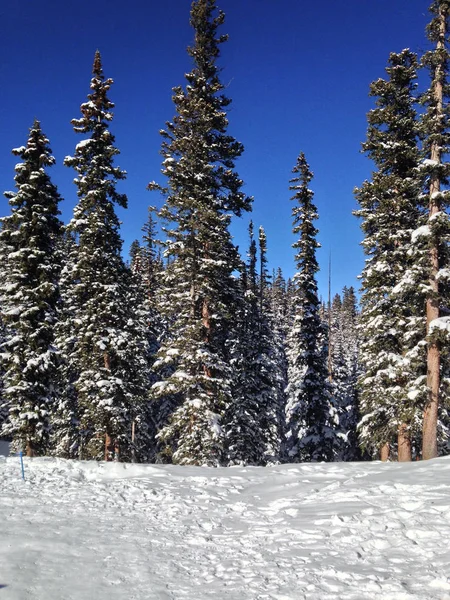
298	74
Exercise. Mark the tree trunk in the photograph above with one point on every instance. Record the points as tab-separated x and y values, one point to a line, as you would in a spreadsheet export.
430	419
29	449
111	446
385	452
108	447
133	438
404	443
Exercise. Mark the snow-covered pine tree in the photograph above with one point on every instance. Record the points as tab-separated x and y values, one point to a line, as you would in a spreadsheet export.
245	437
270	371
350	335
391	325
435	130
135	257
204	191
66	438
30	293
310	436
252	417
152	270
3	403
337	373
280	326
3	258
344	374
147	267
107	334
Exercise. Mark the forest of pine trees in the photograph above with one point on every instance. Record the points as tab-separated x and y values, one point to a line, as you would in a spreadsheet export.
194	353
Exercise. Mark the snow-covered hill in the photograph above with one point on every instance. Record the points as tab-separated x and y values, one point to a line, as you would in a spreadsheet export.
88	531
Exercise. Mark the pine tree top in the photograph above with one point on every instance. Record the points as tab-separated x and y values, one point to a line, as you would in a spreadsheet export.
304	214
36	156
199	154
205	20
94	156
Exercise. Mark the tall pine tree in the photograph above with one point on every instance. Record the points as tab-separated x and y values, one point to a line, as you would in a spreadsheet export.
105	334
308	408
391	321
204	191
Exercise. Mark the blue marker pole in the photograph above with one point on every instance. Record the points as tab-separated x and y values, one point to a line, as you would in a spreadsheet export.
21	464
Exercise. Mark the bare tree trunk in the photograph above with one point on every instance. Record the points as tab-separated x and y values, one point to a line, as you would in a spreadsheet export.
110	444
385	452
430	418
29	449
108	447
133	437
404	443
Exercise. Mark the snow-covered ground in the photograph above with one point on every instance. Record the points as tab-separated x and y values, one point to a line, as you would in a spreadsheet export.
88	531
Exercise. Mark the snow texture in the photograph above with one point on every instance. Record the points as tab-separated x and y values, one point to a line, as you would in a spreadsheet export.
109	531
442	323
420	232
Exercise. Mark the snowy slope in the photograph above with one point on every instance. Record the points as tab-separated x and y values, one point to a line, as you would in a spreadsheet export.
81	531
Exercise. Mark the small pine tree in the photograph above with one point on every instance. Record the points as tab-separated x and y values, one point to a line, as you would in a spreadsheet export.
281	323
135	257
29	240
308	408
270	371
244	434
344	374
146	266
252	418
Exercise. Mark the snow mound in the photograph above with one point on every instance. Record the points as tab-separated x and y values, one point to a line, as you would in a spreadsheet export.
347	531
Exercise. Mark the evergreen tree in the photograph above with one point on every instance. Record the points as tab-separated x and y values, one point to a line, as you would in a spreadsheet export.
107	336
270	370
344	374
281	323
391	323
3	403
135	257
308	408
146	265
29	240
3	259
198	285
67	439
436	133
246	443
337	373
351	352
252	418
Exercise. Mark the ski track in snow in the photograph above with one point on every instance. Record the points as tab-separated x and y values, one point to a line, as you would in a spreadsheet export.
82	530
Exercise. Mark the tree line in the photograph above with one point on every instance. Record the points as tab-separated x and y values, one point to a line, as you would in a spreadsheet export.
193	354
